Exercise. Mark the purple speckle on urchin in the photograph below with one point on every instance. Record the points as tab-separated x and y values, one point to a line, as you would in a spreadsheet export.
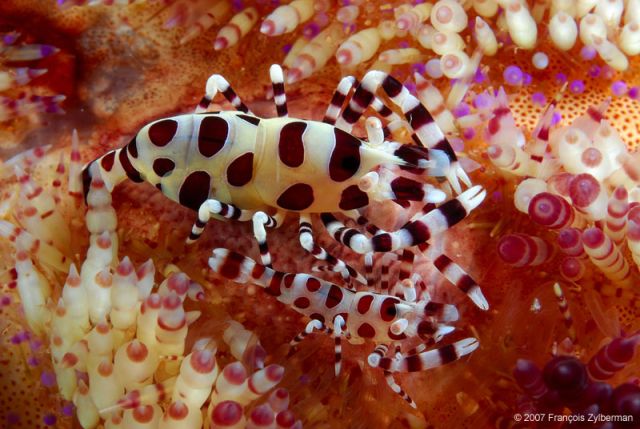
561	78
513	75
496	196
49	419
418	68
67	409
13	418
461	109
33	361
304	379
48	379
411	87
527	79
20	337
556	118
576	86
47	50
35	344
5	300
482	101
10	38
237	5
403	44
619	88
538	98
468	133
286	48
311	30
634	92
588	53
594	71
479	77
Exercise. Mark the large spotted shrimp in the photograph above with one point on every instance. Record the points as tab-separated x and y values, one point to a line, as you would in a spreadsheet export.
235	165
392	323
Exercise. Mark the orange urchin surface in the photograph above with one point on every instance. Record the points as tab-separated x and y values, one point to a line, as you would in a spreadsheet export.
121	80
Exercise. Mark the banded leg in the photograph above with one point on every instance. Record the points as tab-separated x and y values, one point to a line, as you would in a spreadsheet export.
431	358
385	268
217	83
463	281
335	113
339	96
426	131
305	234
368	269
261	220
338	326
393	384
217	208
279	95
419	230
374	360
313	324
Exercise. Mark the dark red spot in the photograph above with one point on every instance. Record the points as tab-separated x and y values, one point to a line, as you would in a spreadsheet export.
291	147
426	328
391	86
273	288
163	131
132	148
302	302
296	197
240	171
230	268
257	271
418	117
407	189
366	331
195	189
212	135
334	297
353	198
162	166
288	280
345	158
388	309
108	160
317	316
129	169
313	284
364	304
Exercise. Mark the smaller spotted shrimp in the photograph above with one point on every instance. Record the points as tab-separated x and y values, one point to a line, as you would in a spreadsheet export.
235	165
392	323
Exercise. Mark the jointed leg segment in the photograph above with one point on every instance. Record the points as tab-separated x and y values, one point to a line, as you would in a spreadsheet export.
305	234
215	207
217	83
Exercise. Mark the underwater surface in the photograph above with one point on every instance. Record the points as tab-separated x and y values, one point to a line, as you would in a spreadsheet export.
473	266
